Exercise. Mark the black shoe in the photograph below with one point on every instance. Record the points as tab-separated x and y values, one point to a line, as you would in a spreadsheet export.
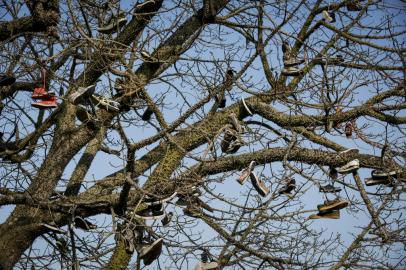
82	93
147	114
373	182
329	189
290	185
259	185
333	173
6	80
377	174
167	219
354	5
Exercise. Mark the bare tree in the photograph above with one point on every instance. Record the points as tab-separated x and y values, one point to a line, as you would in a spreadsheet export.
125	125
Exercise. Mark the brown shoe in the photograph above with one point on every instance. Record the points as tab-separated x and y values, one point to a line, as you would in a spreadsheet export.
335	214
245	173
336	204
259	185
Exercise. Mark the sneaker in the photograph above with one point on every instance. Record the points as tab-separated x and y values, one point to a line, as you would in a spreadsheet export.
350	167
82	92
348	130
230	135
354	5
377	181
234	146
259	185
378	174
146	116
151	252
129	238
247	109
46	103
221	100
154	200
288	187
335	214
6	80
152	212
329	17
228	84
292	62
143	5
167	219
245	173
83	224
108	104
41	93
333	173
329	189
291	71
113	24
84	115
336	204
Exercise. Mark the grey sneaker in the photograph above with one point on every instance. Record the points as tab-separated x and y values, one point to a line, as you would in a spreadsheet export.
151	252
82	92
329	189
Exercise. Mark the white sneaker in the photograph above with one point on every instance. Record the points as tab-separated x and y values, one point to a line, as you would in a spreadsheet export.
351	166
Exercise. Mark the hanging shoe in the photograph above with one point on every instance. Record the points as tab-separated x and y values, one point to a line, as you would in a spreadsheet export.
291	71
234	146
82	93
245	173
290	185
230	135
6	80
130	238
46	103
154	200
328	16
103	102
333	173
292	62
146	116
348	130
354	5
151	252
228	83
83	224
334	214
113	24
329	189
84	115
259	185
373	182
167	219
336	204
221	100
247	109
41	93
350	167
378	174
206	266
152	212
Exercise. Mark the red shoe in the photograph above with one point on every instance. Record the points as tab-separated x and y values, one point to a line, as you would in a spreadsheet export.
46	103
41	93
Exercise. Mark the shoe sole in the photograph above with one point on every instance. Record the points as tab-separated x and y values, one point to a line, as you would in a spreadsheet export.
334	206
